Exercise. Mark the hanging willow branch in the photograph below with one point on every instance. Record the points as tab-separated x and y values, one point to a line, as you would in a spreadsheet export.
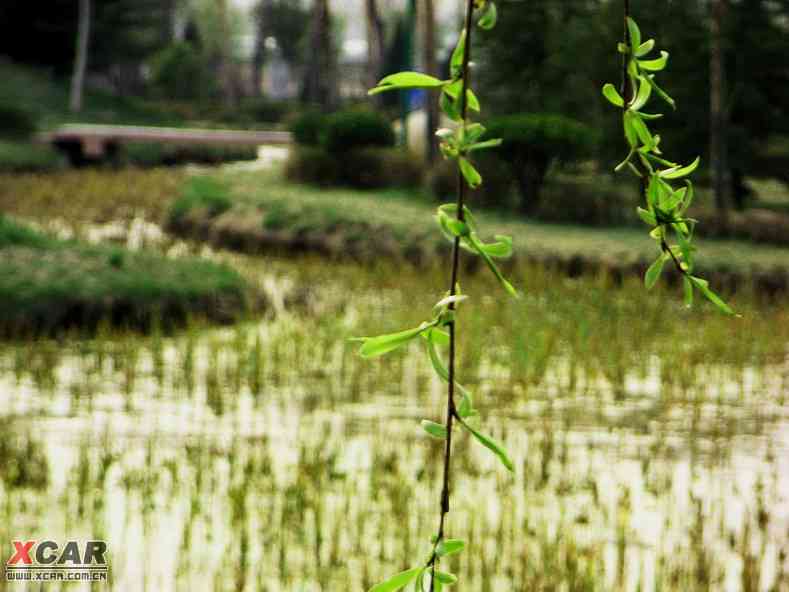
458	225
666	204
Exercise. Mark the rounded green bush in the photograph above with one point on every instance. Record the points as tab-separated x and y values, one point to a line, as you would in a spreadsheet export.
546	134
308	127
312	164
349	130
532	142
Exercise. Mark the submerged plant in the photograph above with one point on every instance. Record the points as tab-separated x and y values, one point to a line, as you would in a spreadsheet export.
666	204
458	225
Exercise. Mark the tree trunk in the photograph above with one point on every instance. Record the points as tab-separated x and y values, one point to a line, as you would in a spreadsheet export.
81	59
375	43
225	57
320	82
431	68
718	115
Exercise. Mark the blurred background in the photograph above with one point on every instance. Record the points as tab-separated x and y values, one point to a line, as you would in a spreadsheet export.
200	204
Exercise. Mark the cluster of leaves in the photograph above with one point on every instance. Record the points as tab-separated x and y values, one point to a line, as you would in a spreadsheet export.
667	204
458	225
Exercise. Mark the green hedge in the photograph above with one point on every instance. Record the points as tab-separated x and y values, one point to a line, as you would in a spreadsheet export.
362	168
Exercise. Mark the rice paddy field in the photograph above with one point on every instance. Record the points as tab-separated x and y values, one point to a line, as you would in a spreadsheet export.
650	442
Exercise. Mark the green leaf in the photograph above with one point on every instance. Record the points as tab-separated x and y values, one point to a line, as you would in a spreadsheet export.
654	271
438	336
479	247
472	101
449	106
456	63
630	131
466	407
655	65
472	176
704	287
644	92
450	547
678	172
491	445
377	346
647	216
688	288
501	249
436	430
485	145
613	96
642	130
661	93
650	116
472	132
405	80
398	581
645	48
446	578
688	197
490	17
635	33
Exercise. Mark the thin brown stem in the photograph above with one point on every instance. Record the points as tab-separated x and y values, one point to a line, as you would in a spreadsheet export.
461	197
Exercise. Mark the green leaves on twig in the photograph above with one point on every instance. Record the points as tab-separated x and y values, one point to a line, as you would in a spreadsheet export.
398	581
666	204
457	223
466	231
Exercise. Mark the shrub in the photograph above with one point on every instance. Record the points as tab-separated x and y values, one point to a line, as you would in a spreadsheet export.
16	122
593	201
261	109
307	128
371	168
201	192
151	155
348	130
363	168
532	143
312	164
181	62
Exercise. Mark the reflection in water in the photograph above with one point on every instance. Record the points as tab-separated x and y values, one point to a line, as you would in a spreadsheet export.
267	456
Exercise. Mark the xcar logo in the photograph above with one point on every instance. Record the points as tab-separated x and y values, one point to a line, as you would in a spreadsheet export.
47	561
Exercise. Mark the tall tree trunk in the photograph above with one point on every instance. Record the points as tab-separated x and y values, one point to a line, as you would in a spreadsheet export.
718	115
81	59
375	44
320	81
431	68
225	61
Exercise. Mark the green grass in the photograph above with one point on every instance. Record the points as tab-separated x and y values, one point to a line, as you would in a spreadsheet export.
48	284
401	216
27	157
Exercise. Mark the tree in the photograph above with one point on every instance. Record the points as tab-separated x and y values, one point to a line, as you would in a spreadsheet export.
320	83
81	58
718	115
375	43
431	67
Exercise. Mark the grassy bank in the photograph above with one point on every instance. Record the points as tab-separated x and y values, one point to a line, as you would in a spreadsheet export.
47	285
262	211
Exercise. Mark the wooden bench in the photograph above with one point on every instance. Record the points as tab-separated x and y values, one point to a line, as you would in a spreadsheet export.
84	143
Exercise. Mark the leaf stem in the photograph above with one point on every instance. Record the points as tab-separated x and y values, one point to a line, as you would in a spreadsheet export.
461	196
